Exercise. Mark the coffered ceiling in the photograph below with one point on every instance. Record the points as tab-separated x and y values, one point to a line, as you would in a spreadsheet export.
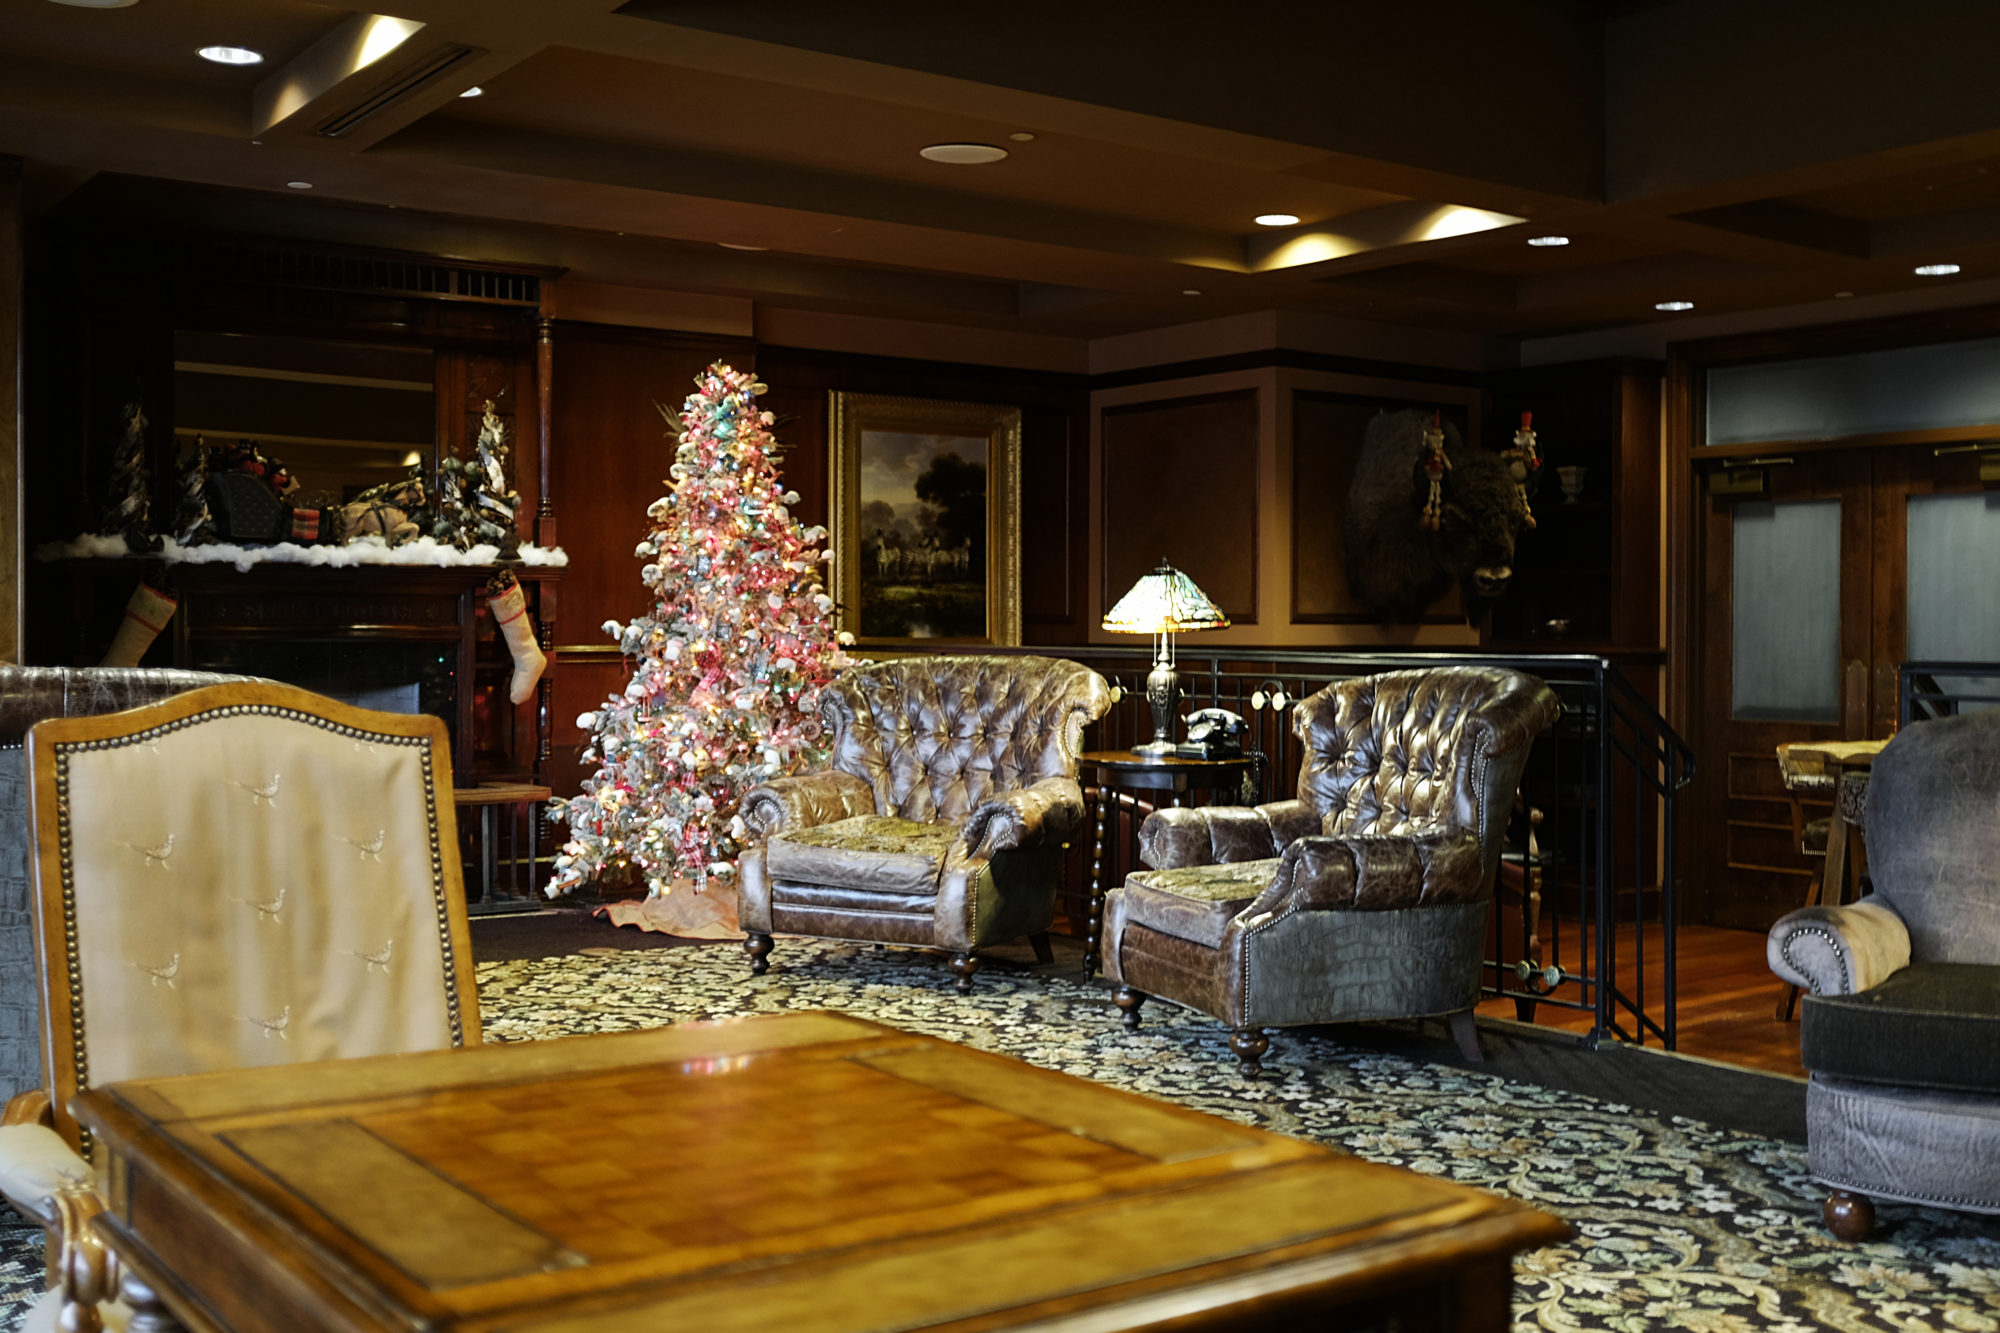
1732	155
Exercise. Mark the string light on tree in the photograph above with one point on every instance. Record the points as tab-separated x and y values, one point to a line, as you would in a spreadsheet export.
727	669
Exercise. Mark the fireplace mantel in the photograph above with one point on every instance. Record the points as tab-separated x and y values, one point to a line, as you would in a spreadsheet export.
236	619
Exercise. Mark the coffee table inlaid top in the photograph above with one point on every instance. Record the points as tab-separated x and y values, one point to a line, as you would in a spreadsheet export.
1127	761
1844	754
808	1172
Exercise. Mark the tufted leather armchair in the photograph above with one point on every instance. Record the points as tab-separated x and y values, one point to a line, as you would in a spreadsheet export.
942	817
1363	897
1901	1029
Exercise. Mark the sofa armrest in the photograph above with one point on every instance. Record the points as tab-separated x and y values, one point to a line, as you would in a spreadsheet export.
1375	873
783	805
1049	811
1839	950
1218	834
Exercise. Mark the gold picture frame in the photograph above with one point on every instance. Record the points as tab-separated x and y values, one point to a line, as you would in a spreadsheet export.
913	564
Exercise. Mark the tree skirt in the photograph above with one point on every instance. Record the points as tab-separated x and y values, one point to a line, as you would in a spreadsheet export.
690	915
1679	1224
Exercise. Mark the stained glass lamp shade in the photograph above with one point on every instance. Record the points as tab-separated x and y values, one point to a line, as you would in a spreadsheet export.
1163	603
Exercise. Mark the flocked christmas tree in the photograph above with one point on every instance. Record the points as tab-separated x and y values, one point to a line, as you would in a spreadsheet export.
729	664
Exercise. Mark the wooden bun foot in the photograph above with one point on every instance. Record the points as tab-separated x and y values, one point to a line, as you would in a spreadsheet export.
963	965
759	949
1248	1046
1128	1002
1850	1217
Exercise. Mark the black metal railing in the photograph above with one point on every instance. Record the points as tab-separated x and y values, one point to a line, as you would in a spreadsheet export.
1925	690
1584	919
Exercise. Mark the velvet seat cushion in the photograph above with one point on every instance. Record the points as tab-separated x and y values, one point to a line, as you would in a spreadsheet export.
1196	903
1930	1025
872	853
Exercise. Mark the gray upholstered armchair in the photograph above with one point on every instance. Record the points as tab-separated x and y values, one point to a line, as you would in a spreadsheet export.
942	818
1901	1031
1366	896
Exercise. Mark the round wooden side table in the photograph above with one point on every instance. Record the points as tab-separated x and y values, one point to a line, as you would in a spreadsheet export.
1123	770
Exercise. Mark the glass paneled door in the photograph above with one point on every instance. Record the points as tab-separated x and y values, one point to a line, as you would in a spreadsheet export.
1849	562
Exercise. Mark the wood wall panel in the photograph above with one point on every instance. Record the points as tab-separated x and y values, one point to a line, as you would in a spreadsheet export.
609	459
1180	483
1327	433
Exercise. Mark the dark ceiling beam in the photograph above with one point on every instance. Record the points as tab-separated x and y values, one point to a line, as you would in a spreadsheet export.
1789	224
1433	284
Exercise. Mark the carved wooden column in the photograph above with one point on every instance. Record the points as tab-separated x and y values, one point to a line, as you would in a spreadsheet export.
545	536
545	377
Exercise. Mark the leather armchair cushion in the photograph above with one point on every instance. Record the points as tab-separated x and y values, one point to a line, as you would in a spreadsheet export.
875	853
1930	1025
1195	903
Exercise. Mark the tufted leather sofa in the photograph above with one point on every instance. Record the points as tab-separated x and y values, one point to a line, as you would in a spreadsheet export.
940	821
29	695
1901	1029
1363	897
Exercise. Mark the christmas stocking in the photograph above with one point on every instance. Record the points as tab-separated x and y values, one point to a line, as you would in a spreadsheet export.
510	616
145	616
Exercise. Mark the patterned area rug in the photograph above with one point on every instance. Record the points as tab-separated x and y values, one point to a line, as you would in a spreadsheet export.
1679	1225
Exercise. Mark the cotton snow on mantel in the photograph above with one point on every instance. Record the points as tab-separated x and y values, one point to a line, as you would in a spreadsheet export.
423	552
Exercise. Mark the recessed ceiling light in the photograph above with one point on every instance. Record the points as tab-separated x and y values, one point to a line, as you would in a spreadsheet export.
1546	241
962	154
1935	270
737	245
1277	219
1673	305
1839	294
299	185
1021	136
99	4
231	55
474	91
1190	291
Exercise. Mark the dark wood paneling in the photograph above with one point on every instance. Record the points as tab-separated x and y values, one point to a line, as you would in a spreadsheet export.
609	458
1180	482
1327	433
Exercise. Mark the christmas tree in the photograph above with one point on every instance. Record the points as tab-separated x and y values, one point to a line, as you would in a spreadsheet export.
474	504
729	663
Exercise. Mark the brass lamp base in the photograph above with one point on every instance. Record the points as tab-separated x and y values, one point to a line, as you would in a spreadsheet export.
1162	689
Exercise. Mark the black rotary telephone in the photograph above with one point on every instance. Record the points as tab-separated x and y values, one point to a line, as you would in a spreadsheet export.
1213	733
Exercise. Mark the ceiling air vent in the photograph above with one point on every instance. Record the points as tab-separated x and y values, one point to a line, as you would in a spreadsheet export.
359	271
417	76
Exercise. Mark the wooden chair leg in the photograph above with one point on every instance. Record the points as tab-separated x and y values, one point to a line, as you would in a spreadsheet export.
1248	1046
1045	952
759	949
963	965
1128	1002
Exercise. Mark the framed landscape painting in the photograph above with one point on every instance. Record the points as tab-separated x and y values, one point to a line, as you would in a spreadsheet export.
925	520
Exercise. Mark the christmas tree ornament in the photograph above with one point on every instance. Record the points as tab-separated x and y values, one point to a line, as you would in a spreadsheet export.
1524	462
1435	466
147	612
712	709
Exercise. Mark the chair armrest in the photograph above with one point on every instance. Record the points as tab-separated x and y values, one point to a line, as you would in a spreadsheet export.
1839	950
1375	873
1050	810
1218	834
802	801
29	1108
37	1164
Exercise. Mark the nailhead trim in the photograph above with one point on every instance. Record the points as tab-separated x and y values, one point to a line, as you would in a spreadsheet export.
1839	954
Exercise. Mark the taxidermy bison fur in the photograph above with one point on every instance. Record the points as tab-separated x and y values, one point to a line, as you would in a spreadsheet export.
1395	565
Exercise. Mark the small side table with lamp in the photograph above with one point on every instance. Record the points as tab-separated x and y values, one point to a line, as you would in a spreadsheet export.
1162	603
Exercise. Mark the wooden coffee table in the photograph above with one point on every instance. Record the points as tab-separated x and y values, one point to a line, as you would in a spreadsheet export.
810	1173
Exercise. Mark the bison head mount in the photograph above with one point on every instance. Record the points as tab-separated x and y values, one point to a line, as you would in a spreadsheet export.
1398	563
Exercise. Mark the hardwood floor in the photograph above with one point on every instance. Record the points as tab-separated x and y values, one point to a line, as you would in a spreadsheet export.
1727	997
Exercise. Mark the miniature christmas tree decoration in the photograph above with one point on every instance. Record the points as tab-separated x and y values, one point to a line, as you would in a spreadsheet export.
729	664
474	505
128	503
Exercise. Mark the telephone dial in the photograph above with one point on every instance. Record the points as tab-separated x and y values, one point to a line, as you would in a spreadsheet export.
1212	733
